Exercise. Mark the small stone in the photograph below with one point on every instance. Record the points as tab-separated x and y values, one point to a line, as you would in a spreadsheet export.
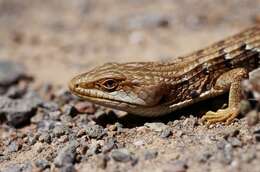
94	148
94	131
252	118
59	130
166	132
245	107
17	111
228	153
66	155
109	145
15	92
70	110
139	143
14	147
13	168
81	133
50	106
176	166
257	135
45	137
68	168
55	115
11	73
156	126
205	157
102	161
121	155
249	156
235	142
37	118
31	140
42	164
85	107
150	154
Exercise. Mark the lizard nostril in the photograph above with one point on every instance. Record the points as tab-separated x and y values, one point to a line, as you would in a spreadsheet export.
76	85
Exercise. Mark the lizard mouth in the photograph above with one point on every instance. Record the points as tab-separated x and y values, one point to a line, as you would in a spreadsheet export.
104	101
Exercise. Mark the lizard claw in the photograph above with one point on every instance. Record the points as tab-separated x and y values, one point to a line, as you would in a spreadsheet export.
223	115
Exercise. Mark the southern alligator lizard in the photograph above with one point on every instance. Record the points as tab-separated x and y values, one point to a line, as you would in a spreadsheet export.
155	88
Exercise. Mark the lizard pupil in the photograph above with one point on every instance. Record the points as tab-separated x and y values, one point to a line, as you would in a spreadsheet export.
110	84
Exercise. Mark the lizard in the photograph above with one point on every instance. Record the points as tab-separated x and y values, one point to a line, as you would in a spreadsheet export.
156	88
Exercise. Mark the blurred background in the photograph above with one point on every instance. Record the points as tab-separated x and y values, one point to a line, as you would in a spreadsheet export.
57	39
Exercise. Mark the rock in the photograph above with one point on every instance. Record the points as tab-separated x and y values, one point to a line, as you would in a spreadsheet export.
66	155
257	135
11	73
17	111
150	154
50	106
70	110
94	148
121	155
45	137
60	130
102	161
42	164
68	168
14	146
94	131
85	107
109	145
13	168
166	132
55	115
176	166
156	126
252	117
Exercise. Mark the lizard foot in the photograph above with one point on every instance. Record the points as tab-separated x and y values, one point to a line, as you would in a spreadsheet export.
222	115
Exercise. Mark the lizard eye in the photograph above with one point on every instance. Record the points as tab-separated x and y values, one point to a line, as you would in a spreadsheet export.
109	84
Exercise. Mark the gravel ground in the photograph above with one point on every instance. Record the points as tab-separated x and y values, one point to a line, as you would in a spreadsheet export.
44	128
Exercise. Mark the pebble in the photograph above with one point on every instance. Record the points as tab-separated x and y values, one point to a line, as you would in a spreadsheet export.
252	117
45	137
94	148
14	146
17	111
60	130
166	132
257	135
55	115
156	126
121	155
11	72
66	155
176	166
70	110
94	131
13	168
109	145
42	164
68	168
85	107
102	161
50	106
150	154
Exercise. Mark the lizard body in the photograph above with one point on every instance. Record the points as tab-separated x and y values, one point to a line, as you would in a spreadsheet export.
154	88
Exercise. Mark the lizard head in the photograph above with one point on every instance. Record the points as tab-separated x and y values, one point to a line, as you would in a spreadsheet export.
131	87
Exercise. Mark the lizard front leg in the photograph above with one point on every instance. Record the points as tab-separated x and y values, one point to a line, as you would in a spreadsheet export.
231	81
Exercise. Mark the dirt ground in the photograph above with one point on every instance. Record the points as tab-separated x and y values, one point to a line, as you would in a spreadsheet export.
57	39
